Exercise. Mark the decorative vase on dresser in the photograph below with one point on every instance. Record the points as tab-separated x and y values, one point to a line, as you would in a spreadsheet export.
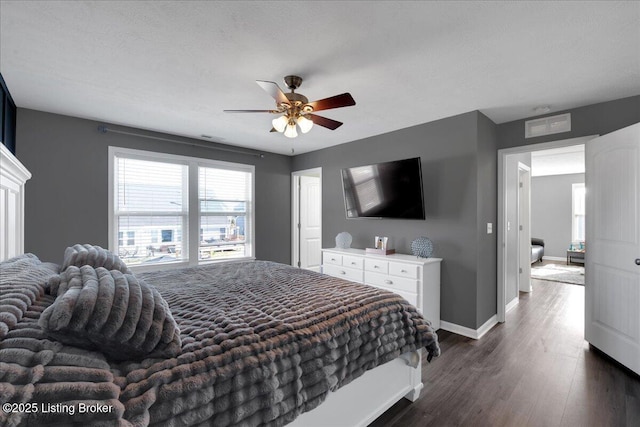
415	279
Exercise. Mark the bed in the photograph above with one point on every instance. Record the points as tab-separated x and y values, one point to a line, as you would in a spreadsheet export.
88	342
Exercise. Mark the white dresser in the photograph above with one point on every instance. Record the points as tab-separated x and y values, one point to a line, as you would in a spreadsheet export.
415	279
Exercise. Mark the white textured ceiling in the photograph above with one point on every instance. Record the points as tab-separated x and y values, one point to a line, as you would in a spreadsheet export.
558	161
173	66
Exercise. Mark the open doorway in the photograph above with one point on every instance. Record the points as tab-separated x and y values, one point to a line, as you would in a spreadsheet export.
513	243
558	214
306	225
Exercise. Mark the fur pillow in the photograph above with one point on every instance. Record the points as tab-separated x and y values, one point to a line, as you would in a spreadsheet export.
112	312
94	256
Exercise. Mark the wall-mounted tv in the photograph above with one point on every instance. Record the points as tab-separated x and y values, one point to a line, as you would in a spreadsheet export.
384	190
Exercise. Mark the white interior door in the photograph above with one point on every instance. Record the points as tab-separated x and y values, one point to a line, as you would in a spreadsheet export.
612	277
524	228
310	220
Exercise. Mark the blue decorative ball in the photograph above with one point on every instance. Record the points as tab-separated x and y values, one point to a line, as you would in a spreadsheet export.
343	240
422	247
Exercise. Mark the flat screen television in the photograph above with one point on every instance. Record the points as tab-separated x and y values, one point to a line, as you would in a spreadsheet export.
384	190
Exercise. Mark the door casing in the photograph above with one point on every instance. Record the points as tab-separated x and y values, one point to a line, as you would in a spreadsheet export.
502	210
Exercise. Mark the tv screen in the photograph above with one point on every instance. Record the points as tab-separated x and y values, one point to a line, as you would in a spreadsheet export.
384	190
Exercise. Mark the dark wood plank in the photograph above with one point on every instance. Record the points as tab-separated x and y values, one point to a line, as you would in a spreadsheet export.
534	370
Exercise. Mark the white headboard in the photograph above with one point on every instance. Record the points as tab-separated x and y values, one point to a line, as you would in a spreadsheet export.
13	176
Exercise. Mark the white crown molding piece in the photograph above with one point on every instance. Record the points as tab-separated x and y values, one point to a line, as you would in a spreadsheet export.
11	168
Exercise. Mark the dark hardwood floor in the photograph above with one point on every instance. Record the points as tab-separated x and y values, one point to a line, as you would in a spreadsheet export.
535	369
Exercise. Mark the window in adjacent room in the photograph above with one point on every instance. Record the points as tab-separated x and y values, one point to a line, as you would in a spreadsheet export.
176	209
578	212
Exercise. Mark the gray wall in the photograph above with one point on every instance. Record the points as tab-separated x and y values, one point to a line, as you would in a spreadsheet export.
458	159
67	197
487	182
456	216
551	211
596	119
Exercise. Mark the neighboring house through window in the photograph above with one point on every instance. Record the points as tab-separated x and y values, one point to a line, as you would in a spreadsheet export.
176	209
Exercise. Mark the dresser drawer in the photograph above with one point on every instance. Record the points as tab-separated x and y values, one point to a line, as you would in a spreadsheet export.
411	297
329	258
379	266
390	282
403	270
343	272
352	261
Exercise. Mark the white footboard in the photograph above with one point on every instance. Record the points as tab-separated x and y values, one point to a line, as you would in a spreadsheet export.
367	397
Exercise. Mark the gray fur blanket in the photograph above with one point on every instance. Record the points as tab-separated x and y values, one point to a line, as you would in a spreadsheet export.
261	343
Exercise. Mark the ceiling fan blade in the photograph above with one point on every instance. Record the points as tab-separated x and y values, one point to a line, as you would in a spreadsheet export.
274	90
324	122
342	100
250	111
273	130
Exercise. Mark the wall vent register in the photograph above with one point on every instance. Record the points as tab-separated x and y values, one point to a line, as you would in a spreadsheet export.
547	125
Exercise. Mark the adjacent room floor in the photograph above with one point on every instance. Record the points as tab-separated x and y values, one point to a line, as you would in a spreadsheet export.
558	271
535	369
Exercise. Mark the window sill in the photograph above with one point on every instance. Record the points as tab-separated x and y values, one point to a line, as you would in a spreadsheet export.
183	264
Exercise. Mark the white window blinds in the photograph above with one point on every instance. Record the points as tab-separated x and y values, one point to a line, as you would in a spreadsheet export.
151	212
177	209
578	219
225	197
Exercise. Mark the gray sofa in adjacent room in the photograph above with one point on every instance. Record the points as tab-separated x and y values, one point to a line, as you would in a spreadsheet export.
537	250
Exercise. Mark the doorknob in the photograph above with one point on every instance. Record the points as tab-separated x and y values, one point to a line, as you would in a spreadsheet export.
637	261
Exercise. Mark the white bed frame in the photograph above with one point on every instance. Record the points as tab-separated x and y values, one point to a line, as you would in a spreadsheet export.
13	176
356	404
366	398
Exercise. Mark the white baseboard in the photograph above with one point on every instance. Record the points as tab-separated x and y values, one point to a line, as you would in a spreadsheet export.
511	305
475	334
554	258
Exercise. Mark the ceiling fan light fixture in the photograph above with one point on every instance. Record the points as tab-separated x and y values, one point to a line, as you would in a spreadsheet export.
280	123
290	131
305	124
295	110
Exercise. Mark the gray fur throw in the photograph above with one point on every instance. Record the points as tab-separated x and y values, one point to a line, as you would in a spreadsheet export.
36	371
22	280
94	256
112	312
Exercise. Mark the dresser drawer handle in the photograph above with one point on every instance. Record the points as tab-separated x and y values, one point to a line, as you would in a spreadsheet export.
403	271
388	282
333	259
376	266
353	263
343	272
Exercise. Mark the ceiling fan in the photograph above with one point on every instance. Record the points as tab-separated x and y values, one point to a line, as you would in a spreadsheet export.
295	109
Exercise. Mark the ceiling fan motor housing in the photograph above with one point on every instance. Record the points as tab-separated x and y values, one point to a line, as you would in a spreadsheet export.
296	99
293	82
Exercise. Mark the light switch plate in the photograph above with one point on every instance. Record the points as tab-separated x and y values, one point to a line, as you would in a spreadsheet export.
489	228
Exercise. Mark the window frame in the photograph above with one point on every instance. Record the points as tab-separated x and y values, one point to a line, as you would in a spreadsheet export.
191	233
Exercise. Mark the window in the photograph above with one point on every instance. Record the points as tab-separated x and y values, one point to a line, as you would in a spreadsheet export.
578	192
223	212
175	209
